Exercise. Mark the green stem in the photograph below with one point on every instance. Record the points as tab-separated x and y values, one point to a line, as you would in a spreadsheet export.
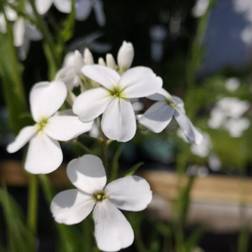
49	47
32	203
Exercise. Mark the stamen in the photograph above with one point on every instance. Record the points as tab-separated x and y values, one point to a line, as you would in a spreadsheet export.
99	196
41	124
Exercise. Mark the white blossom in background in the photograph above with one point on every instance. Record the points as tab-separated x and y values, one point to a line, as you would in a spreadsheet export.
112	230
83	8
200	8
44	153
203	149
158	34
197	170
23	31
228	113
71	73
232	84
161	113
112	99
244	7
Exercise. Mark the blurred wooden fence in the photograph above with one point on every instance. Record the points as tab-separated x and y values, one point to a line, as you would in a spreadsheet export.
219	203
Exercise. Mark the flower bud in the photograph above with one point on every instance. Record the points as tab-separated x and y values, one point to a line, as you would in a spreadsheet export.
125	55
101	61
110	61
88	57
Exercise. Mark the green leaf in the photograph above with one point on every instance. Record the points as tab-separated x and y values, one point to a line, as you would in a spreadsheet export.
134	168
19	237
11	82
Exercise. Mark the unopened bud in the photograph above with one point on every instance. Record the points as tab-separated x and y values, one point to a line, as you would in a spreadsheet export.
125	55
110	61
88	57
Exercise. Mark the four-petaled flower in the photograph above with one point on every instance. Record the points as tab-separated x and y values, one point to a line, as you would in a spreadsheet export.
112	230
160	114
113	98
44	153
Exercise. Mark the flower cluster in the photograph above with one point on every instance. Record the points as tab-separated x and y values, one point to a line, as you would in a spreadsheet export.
103	92
228	114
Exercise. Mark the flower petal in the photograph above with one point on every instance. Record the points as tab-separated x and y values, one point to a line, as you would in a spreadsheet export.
19	32
118	121
131	193
140	82
91	103
46	98
83	9
191	133
87	173
22	138
101	74
66	127
43	6
71	206
64	6
112	230
44	155
157	117
99	12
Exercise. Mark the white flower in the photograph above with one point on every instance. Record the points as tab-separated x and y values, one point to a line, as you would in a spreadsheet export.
112	230
227	114
125	56
232	84
203	149
70	73
83	8
44	153
200	8
236	126
23	31
160	114
113	98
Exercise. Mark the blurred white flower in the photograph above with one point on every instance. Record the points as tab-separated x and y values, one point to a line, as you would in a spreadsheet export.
214	162
200	8
113	98
203	149
112	230
227	114
232	84
160	114
197	170
83	8
23	31
44	153
158	34
236	126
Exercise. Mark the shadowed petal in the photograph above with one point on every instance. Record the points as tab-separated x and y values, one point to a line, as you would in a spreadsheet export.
46	98
71	206
118	121
112	230
87	173
131	193
22	138
157	117
44	155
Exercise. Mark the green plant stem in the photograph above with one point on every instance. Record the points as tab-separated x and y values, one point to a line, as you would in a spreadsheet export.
104	152
49	46
32	203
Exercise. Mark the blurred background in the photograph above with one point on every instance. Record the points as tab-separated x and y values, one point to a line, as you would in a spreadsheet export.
203	51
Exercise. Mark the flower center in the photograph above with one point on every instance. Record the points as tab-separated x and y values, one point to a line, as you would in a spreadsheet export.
116	92
99	196
41	124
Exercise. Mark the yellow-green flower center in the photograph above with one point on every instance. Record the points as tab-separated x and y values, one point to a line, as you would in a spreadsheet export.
41	124
117	92
99	196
